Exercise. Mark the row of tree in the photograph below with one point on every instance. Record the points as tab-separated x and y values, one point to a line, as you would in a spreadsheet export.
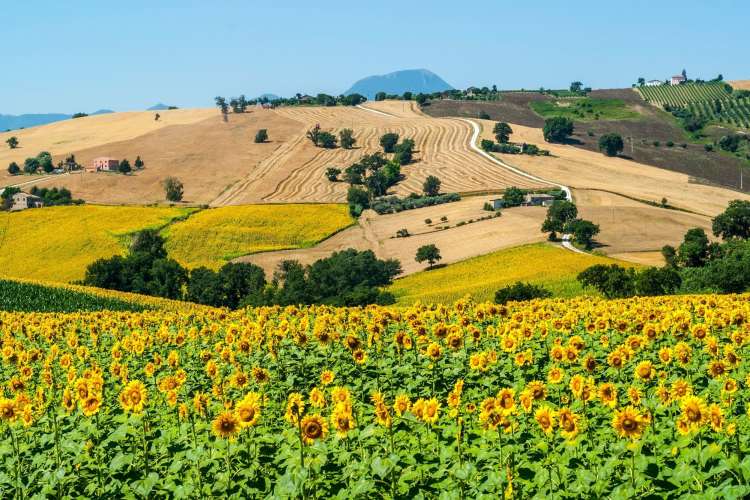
346	278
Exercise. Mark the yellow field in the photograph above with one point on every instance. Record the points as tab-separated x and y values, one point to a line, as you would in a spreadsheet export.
542	264
58	243
213	237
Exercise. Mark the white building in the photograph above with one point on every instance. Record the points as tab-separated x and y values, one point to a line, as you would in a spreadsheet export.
654	83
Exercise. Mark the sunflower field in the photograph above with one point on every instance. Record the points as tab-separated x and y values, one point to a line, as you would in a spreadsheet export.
645	397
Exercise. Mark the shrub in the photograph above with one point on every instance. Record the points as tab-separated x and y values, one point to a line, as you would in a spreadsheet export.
346	138
402	233
611	144
520	291
261	136
173	189
388	142
431	186
557	129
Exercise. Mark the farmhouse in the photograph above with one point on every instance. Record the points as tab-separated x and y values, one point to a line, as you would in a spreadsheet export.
541	199
653	83
103	164
677	79
497	203
22	201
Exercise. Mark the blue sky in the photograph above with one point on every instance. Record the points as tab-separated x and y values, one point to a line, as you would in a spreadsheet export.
85	55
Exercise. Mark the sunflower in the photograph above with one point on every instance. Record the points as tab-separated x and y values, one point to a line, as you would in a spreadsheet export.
433	351
342	420
402	404
555	375
681	388
8	410
431	411
526	399
247	410
68	401
295	407
645	370
629	422
545	417
729	386
226	425
717	368
260	375
317	398
694	411
340	395
133	397
327	377
360	356
568	423
608	394
90	406
634	394
577	382
537	390
716	417
506	400
314	427
665	355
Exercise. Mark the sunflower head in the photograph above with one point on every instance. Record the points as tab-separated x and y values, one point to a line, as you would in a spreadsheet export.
226	425
314	427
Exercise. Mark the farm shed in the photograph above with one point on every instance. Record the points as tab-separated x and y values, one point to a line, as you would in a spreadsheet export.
540	199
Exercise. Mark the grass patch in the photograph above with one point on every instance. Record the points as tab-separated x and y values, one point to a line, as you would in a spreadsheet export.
585	109
58	243
213	237
541	264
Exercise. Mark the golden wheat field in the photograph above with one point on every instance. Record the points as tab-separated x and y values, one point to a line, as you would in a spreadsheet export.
215	236
58	243
585	398
543	264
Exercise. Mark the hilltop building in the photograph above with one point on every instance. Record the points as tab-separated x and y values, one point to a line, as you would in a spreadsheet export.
22	201
654	83
103	164
677	79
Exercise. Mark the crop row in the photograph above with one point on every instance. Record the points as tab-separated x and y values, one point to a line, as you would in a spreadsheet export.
683	95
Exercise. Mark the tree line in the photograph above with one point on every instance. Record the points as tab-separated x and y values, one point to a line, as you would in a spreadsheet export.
346	278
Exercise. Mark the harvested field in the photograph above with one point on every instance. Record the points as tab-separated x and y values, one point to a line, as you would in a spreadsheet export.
207	156
295	172
740	84
652	125
58	243
630	227
542	264
460	241
213	237
579	168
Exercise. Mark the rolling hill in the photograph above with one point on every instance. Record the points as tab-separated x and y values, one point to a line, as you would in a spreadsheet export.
13	122
398	82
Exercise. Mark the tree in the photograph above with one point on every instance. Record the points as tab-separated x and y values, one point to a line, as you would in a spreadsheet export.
358	200
670	255
380	96
124	167
388	141
583	231
612	281
734	222
173	189
693	251
611	144
502	132
346	138
221	103
559	214
404	152
326	140
138	163
239	281
12	142
45	162
576	87
314	134
431	186
332	174
657	281
429	253
421	99
513	197
519	292
149	242
407	96
557	129
261	136
13	168
641	81
487	145
31	165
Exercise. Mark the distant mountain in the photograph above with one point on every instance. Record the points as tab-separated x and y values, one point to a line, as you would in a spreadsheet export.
398	82
13	122
158	107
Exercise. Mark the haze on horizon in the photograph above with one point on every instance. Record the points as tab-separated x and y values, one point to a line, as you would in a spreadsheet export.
91	55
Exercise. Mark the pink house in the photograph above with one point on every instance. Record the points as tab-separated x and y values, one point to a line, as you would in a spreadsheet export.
678	79
104	164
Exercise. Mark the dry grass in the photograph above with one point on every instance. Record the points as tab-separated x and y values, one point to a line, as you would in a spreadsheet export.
542	264
58	243
516	226
213	237
207	156
740	84
295	172
579	168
